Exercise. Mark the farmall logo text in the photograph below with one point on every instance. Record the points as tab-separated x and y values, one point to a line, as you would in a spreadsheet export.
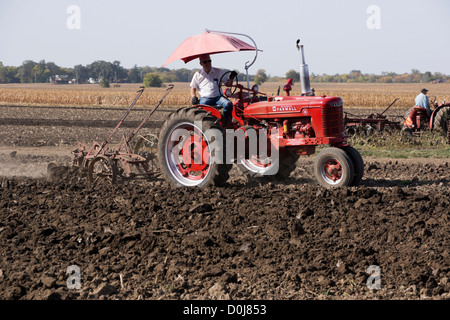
284	108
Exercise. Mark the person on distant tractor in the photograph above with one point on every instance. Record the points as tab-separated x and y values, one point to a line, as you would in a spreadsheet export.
206	82
423	102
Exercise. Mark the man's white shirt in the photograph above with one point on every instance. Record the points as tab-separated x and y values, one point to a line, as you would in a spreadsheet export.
207	84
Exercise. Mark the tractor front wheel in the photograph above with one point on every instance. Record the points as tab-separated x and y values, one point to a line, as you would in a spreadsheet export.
333	168
358	164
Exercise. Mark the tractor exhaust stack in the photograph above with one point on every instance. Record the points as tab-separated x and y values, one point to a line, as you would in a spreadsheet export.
304	73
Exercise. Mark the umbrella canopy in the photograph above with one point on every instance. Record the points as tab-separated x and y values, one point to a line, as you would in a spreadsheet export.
207	43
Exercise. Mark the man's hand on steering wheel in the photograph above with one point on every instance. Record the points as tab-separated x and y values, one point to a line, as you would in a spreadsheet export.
232	78
434	101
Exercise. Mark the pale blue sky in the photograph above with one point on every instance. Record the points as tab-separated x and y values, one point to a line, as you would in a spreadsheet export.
413	34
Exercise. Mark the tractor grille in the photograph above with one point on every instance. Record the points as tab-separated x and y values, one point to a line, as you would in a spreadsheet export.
332	120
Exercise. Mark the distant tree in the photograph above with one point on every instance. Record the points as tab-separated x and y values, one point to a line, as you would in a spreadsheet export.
260	77
427	77
183	75
355	74
152	80
119	74
41	72
10	75
25	72
81	73
294	75
54	69
3	73
134	75
101	69
168	77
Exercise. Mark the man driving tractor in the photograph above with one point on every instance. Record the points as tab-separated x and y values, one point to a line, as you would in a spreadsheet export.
420	110
422	101
206	82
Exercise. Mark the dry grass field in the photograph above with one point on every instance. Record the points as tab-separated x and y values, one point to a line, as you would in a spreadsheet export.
355	95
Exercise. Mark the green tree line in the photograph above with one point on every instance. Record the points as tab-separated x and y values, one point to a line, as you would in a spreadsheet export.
356	76
113	72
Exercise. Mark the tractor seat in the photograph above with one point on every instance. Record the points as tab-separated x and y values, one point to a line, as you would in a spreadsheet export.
412	120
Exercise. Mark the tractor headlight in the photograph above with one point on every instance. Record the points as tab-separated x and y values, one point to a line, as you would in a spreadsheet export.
255	88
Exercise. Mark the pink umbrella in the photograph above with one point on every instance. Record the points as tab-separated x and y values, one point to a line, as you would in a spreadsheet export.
208	42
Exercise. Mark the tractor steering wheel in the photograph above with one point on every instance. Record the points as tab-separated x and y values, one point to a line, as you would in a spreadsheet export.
235	85
434	100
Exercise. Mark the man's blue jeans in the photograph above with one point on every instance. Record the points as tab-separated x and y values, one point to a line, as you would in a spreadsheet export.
221	101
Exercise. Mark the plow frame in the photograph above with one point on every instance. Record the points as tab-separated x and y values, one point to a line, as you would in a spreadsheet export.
375	121
102	161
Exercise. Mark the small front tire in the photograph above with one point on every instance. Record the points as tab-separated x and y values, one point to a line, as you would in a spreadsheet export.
333	168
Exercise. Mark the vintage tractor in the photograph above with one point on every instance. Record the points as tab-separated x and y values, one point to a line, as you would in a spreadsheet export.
417	119
266	137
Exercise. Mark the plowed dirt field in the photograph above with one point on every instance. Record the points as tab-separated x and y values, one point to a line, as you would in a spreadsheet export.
247	240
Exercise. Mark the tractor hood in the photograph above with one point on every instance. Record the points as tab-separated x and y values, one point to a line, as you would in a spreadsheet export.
289	106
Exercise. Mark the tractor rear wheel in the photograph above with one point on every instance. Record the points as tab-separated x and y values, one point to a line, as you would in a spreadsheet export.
189	153
358	164
333	168
441	120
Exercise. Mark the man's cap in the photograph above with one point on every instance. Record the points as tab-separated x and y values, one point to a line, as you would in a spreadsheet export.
424	90
203	57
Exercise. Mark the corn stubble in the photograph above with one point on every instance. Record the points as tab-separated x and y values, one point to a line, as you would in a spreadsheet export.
374	97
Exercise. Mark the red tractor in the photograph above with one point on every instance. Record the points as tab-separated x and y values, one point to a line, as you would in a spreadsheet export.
268	135
417	119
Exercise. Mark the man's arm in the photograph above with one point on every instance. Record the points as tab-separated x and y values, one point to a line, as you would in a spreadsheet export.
427	105
194	89
193	92
194	98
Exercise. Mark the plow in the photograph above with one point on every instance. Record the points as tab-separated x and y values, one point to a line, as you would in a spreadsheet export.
123	160
414	123
373	122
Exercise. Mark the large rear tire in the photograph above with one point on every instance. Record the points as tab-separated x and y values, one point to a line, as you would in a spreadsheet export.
333	168
441	119
187	154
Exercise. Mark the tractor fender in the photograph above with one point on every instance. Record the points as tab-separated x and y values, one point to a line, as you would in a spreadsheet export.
216	113
435	112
